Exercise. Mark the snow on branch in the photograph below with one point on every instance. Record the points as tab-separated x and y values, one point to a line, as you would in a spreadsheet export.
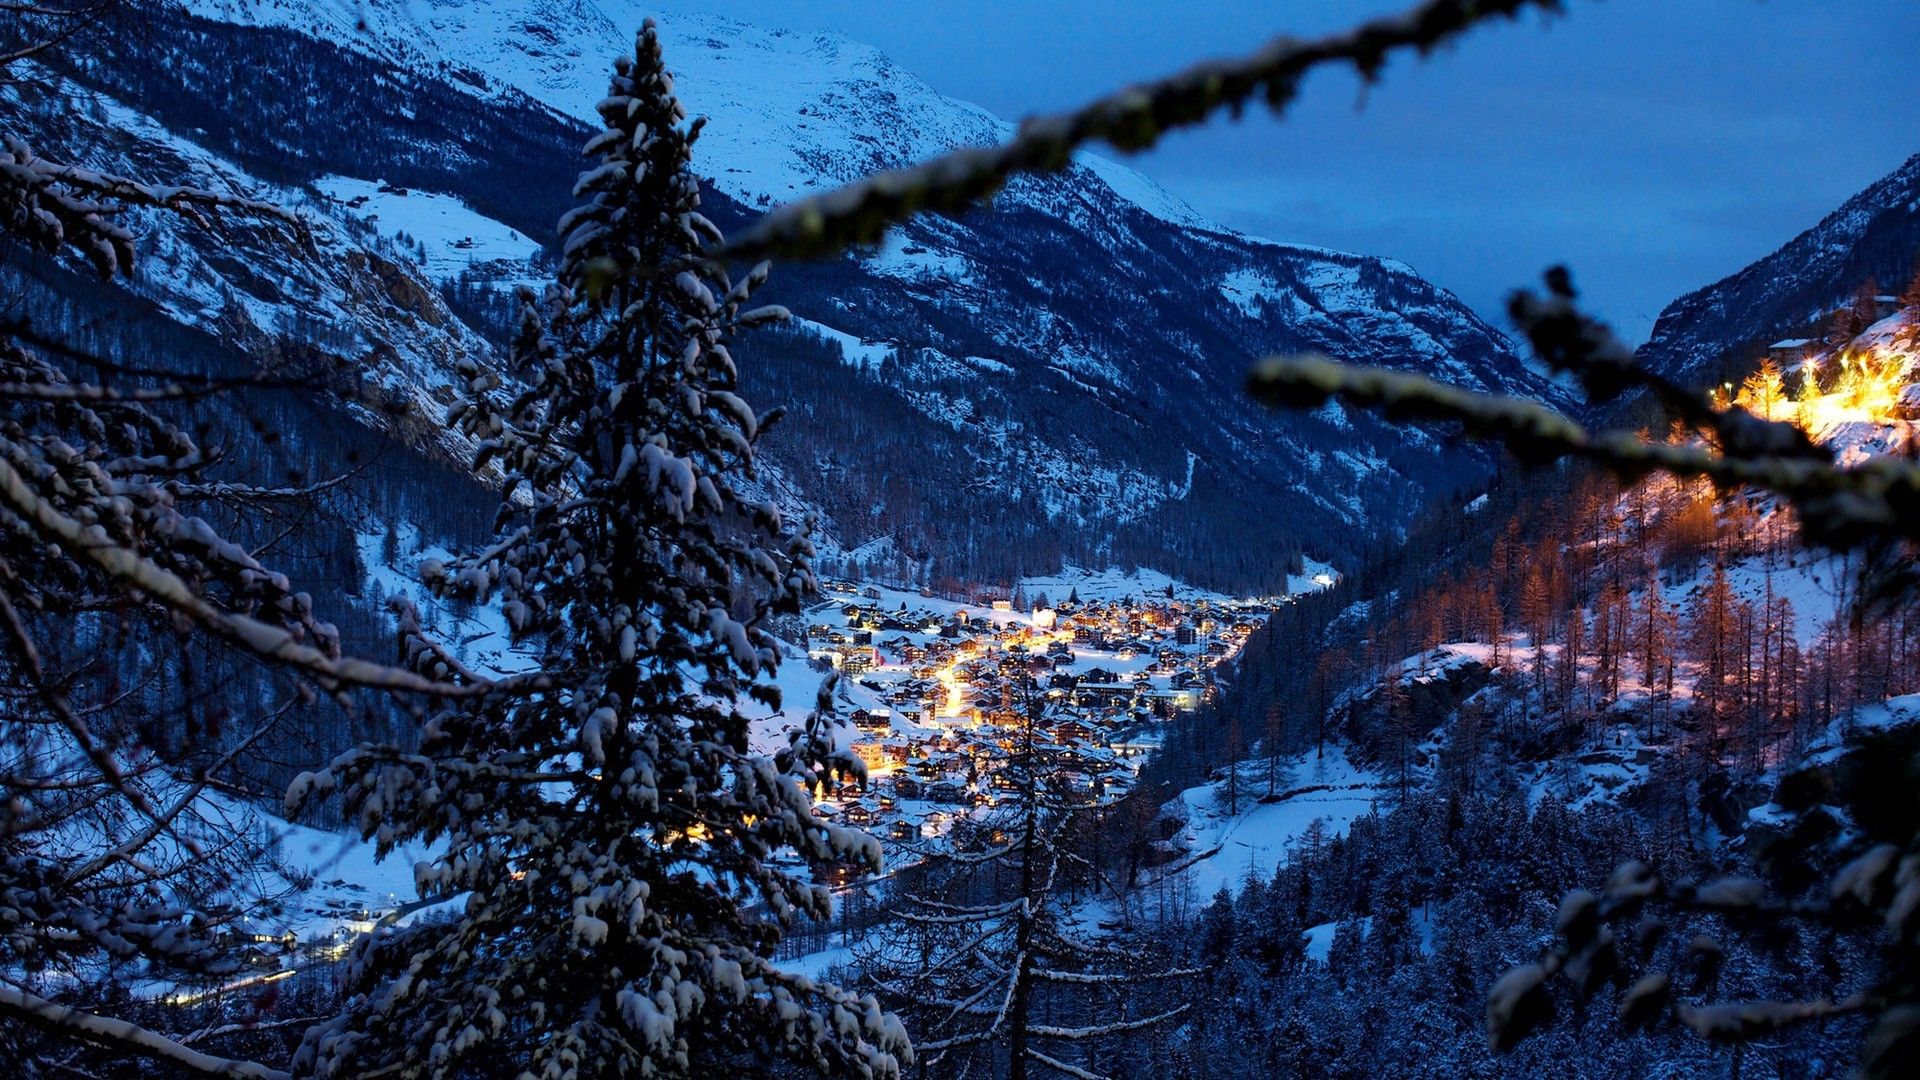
55	206
1839	506
161	585
1096	1031
1130	120
105	1031
1074	1071
1091	978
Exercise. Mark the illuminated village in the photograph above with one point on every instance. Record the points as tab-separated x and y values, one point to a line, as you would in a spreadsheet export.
939	689
1838	393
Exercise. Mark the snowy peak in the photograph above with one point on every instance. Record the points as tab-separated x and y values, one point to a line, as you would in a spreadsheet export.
983	396
1873	235
793	113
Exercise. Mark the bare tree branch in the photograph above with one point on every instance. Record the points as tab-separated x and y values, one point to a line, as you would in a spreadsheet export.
106	1031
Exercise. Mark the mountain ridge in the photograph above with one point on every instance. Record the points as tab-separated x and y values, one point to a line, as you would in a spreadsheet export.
1875	234
981	396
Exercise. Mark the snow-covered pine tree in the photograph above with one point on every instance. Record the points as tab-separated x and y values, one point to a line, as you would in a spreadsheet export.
609	828
981	955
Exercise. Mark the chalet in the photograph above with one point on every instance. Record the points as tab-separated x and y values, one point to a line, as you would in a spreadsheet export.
835	875
1102	693
1072	731
1790	351
947	791
1165	703
1185	634
874	753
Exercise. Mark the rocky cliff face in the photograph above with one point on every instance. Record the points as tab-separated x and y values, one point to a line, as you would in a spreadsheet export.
1057	380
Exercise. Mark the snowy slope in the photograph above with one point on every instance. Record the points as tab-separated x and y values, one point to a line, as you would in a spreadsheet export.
1219	848
389	340
792	111
1873	234
451	236
1067	370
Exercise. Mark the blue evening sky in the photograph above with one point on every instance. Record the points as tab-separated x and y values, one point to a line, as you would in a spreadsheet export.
1652	145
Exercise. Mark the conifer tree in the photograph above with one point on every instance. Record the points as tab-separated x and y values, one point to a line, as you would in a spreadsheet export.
606	818
1655	624
1711	623
1763	388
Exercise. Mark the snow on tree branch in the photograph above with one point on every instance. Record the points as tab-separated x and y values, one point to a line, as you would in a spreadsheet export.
1839	506
56	207
31	1008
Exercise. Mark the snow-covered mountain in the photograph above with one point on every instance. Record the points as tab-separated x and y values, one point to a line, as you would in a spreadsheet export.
1875	234
979	396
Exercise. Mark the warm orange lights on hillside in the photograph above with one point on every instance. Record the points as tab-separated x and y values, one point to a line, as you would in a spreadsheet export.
1862	387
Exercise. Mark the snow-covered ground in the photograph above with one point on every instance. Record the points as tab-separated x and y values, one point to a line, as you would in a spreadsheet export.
1224	849
1320	938
452	237
476	634
857	353
1117	584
